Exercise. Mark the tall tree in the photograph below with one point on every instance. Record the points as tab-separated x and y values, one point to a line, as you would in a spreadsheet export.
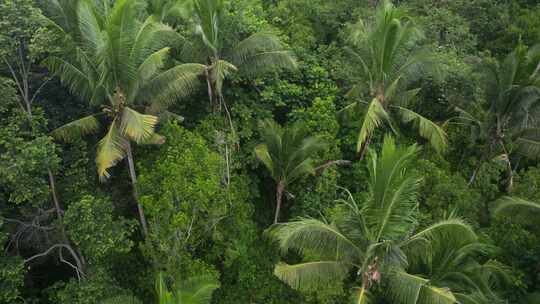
287	153
510	128
375	238
259	53
116	61
390	60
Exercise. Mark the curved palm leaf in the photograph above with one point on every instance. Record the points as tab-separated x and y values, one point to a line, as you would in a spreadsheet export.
427	129
135	126
311	236
374	117
76	129
111	150
310	275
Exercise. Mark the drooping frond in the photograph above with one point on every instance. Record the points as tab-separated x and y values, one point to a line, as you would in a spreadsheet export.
312	236
529	144
509	204
78	80
408	288
310	275
76	129
136	126
452	231
111	150
519	210
261	151
374	117
427	129
220	70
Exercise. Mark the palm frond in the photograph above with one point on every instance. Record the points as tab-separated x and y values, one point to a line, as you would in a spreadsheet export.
220	70
427	129
261	151
310	275
135	126
152	64
374	117
519	210
196	290
311	236
260	53
408	288
111	150
209	13
166	87
76	129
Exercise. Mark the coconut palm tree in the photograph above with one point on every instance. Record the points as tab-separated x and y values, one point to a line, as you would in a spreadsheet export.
195	290
116	62
375	240
287	153
389	60
257	54
510	127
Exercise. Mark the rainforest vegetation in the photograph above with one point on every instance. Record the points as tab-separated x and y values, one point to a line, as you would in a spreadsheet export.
269	151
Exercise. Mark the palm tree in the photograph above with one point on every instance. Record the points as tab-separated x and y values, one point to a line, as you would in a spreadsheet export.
510	126
195	290
389	60
287	153
375	238
116	62
259	53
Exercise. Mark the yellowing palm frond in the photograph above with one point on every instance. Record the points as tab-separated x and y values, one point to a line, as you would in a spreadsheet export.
136	126
111	150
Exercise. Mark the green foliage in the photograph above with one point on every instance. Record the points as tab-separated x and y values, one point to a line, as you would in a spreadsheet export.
415	226
190	202
93	228
25	152
12	272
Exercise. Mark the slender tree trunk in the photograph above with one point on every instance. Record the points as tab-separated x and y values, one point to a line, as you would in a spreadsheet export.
133	177
279	196
363	148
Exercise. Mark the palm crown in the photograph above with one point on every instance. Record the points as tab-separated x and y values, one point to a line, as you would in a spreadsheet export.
513	93
376	239
216	60
389	61
287	153
116	62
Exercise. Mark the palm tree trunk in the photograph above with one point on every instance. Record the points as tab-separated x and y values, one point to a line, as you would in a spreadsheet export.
133	176
279	196
363	148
